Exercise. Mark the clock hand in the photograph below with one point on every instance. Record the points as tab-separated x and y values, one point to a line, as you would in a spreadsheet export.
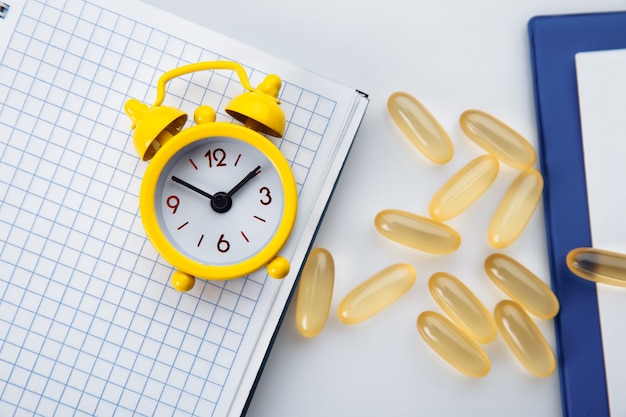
241	183
192	187
222	202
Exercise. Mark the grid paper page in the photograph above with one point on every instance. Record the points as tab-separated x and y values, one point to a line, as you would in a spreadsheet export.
89	324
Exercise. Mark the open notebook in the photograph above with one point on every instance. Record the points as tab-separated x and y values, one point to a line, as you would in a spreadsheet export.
89	323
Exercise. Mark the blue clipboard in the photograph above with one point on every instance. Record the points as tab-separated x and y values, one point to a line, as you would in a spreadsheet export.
554	41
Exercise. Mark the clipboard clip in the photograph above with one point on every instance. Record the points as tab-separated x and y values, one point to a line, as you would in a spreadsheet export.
4	9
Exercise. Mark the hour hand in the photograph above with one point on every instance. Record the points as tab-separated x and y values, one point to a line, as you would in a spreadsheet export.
192	187
241	183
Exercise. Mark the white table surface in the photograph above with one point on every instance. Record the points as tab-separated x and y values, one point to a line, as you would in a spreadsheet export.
452	55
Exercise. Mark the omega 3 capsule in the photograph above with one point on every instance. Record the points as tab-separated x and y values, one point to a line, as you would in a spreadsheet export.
515	209
417	232
522	286
315	292
498	139
598	265
463	307
524	339
464	188
453	345
376	293
422	129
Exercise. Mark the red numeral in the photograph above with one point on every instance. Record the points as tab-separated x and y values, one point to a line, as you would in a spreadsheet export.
173	202
223	245
266	194
216	157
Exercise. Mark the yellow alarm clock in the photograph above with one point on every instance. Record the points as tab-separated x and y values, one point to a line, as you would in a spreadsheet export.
218	200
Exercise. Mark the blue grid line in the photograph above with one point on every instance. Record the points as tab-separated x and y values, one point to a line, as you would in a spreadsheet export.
89	329
199	85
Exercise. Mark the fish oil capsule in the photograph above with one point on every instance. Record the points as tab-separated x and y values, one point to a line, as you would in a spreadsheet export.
464	188
522	286
417	232
498	139
598	265
315	292
515	209
376	293
453	345
422	129
463	307
524	338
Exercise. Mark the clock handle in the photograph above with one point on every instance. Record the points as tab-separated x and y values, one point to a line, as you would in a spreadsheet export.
278	267
257	108
201	66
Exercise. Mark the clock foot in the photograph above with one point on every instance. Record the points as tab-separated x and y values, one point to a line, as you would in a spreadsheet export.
278	267
182	281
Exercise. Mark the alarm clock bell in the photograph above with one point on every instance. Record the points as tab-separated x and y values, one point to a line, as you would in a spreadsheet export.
257	108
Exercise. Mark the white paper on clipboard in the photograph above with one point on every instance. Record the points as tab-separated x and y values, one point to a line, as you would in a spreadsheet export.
601	79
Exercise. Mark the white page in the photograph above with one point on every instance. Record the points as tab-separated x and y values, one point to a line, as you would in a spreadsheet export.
602	94
89	322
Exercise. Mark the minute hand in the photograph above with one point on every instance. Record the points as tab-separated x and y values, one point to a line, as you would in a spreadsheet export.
245	179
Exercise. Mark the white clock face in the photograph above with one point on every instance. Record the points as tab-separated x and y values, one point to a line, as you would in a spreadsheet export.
219	201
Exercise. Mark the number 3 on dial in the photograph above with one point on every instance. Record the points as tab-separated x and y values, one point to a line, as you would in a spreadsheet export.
268	198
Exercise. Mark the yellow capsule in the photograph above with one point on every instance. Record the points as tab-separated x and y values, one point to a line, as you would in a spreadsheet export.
453	345
376	293
417	232
420	127
463	307
315	292
524	338
498	139
464	188
522	286
598	265
515	209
